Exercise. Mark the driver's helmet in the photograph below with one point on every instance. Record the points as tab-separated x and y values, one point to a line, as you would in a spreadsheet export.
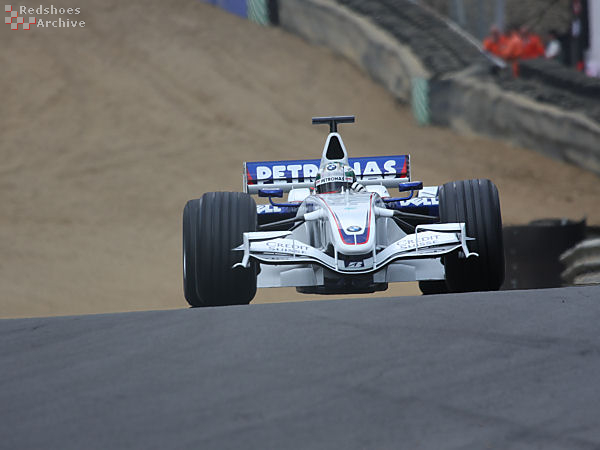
334	177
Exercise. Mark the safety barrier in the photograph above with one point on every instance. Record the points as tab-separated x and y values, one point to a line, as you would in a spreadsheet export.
470	101
533	252
378	52
582	263
552	73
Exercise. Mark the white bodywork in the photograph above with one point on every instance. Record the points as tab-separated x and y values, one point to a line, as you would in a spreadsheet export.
349	234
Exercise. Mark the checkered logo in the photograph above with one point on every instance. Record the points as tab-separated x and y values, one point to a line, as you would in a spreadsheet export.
14	20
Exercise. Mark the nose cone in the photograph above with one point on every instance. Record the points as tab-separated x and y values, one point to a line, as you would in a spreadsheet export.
352	222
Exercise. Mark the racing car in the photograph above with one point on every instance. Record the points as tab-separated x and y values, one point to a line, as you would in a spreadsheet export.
340	231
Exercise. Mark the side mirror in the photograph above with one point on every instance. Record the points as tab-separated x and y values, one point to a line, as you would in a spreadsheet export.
270	193
410	186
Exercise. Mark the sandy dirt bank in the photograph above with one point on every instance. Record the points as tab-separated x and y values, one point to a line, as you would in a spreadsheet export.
107	130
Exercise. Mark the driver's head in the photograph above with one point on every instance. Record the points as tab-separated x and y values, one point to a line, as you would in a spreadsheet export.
334	177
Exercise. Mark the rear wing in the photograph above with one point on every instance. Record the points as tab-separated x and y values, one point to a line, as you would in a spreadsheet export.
388	171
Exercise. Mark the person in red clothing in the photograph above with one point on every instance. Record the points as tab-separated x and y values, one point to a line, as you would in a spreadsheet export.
513	50
495	42
532	45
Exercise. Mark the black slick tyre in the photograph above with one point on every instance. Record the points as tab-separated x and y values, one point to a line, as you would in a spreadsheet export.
430	287
212	226
476	203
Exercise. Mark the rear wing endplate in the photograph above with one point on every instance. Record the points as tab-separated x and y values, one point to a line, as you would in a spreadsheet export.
388	171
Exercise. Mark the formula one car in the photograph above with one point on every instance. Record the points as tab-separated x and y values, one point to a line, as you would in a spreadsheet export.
340	231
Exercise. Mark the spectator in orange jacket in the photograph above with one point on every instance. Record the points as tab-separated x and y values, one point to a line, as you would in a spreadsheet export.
513	50
532	45
495	42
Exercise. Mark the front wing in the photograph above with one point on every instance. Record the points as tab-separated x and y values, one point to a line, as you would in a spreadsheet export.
428	241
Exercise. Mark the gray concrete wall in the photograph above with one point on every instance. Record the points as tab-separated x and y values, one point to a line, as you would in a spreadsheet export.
324	22
467	103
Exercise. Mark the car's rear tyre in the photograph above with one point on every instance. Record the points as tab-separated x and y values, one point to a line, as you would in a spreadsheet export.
430	287
476	203
212	226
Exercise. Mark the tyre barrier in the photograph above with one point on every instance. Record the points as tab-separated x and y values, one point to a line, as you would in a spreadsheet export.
552	73
582	263
533	252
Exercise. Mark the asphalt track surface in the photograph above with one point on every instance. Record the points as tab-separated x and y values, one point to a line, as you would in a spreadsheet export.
516	369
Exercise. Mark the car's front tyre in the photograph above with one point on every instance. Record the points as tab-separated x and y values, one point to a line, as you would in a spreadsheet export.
476	203
212	226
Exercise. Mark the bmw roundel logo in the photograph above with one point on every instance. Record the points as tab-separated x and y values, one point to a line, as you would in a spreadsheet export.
353	229
331	167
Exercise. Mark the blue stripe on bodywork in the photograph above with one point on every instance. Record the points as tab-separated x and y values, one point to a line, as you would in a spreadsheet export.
428	206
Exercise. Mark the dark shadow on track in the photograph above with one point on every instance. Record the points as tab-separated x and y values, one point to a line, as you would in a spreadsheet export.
514	369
